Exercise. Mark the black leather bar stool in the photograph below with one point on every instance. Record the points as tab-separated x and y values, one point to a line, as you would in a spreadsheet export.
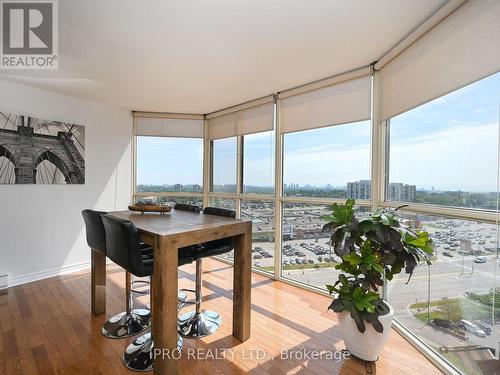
131	321
201	323
124	248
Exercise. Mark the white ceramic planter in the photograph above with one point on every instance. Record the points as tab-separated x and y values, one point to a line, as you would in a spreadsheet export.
367	345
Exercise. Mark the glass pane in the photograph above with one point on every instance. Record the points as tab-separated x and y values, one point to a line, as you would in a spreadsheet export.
169	164
456	310
307	256
322	162
229	204
198	201
258	167
262	216
445	152
224	165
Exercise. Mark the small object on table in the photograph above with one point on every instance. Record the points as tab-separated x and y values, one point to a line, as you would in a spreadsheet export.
150	208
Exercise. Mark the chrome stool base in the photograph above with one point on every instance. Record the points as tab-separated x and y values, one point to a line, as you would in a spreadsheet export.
195	325
139	355
127	325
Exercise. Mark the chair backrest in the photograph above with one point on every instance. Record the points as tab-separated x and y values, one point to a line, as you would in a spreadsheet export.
187	207
219	212
94	228
123	244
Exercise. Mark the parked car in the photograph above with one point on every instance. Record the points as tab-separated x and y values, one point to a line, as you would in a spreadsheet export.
447	254
310	261
480	259
442	323
257	256
472	328
485	327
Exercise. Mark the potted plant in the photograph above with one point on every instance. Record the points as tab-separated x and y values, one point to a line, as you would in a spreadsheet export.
369	249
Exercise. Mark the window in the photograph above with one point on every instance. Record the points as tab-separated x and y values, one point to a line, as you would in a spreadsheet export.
224	153
463	285
262	215
168	164
445	152
332	162
258	167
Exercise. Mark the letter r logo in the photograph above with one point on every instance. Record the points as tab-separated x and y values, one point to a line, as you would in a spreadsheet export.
27	28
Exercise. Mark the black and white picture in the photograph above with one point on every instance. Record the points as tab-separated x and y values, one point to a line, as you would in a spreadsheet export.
36	151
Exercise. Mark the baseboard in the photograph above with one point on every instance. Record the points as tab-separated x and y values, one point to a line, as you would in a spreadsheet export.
40	275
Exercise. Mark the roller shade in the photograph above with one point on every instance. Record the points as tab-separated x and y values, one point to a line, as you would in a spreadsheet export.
341	103
169	127
252	120
461	49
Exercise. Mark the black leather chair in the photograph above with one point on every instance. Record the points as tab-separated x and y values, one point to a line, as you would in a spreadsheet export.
124	248
201	323
94	228
131	321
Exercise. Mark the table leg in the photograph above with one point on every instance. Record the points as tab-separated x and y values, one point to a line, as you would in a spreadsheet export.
98	276
242	284
165	307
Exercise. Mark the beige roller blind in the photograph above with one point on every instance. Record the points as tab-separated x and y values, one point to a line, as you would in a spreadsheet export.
341	103
252	120
461	49
169	127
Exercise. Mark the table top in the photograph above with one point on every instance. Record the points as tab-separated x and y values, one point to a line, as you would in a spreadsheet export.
177	222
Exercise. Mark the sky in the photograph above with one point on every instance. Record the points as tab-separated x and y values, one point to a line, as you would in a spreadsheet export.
450	143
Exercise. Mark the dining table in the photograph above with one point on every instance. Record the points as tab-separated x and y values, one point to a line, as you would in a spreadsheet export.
167	233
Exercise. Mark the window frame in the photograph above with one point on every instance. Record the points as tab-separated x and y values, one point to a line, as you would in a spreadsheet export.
379	175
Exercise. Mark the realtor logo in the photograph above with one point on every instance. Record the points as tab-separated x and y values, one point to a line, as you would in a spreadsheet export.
29	34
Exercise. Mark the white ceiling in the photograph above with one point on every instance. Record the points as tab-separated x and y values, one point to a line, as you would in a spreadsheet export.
198	56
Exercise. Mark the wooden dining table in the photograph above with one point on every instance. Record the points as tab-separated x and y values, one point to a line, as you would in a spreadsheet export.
167	233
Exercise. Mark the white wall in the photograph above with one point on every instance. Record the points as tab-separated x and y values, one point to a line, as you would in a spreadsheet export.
41	228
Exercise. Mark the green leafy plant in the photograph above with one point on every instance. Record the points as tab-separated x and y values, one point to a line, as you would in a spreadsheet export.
369	249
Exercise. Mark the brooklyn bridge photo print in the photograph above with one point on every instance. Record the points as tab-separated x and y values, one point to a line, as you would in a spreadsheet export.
36	151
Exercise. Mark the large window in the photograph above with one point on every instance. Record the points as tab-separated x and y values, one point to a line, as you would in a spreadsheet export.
168	164
224	154
441	159
445	152
331	162
460	286
258	163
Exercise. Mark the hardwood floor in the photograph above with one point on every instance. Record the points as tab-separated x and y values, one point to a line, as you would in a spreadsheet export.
46	328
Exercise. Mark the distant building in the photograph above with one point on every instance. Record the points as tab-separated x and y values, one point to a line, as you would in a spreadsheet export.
359	189
177	187
287	230
196	188
401	192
